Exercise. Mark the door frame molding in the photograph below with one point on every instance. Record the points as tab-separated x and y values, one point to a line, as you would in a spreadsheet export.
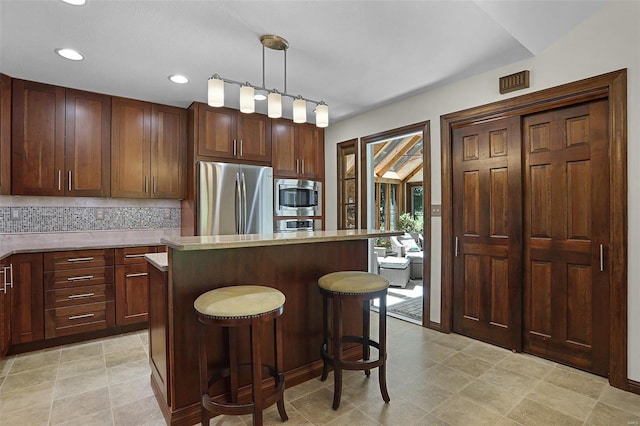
613	86
425	127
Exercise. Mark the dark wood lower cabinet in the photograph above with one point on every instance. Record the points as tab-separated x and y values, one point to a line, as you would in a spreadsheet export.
292	269
27	299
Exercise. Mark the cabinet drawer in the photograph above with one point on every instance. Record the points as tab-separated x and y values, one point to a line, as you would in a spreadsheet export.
77	259
78	319
78	295
78	277
132	255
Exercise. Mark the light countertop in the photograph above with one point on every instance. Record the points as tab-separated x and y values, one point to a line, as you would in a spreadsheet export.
215	242
36	243
158	260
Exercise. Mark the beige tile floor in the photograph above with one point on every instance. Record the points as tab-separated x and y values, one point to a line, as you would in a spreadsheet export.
434	379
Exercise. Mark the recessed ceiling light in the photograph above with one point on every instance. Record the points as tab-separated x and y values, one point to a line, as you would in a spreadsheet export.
180	79
75	2
70	54
259	97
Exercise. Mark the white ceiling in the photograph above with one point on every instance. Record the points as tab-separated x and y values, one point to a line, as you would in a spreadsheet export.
354	55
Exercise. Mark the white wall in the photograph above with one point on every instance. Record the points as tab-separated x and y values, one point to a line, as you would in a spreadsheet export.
607	41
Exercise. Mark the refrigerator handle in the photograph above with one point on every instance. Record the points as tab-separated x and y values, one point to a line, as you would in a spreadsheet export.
238	203
244	205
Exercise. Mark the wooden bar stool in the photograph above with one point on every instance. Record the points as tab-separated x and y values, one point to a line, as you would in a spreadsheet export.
362	287
232	307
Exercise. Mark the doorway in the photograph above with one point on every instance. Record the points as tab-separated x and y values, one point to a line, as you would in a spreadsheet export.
534	241
395	188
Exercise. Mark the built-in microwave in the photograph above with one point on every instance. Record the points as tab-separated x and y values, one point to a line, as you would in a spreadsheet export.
296	197
297	225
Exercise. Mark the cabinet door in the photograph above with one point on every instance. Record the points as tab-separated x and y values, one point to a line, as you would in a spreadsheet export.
27	299
87	144
132	293
168	151
38	139
254	138
5	310
283	140
310	145
130	148
5	134
216	132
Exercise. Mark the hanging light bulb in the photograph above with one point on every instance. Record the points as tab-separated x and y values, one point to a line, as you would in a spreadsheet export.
247	102
274	104
216	91
299	110
322	115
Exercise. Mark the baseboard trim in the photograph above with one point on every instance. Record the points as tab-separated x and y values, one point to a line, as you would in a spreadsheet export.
634	386
433	325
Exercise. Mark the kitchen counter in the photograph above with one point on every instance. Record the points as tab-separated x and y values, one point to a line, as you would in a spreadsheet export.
158	260
290	262
37	243
216	242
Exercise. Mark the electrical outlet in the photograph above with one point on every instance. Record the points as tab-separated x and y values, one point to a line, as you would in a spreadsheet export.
99	214
16	214
436	210
167	214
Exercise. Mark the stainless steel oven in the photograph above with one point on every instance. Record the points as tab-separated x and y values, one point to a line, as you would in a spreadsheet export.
299	224
296	197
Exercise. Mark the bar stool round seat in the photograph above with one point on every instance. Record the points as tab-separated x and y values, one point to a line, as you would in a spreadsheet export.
361	287
230	308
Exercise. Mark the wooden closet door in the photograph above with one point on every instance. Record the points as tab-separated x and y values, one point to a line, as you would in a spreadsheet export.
487	225
566	285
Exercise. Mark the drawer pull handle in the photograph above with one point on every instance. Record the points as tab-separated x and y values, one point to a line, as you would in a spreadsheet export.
80	259
141	274
129	256
82	278
80	296
74	317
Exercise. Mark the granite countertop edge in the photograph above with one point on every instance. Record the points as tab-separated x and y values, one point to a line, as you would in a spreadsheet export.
217	242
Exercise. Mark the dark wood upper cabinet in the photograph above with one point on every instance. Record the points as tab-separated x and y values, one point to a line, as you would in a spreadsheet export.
147	150
226	134
130	148
297	150
60	141
168	151
5	134
87	144
37	138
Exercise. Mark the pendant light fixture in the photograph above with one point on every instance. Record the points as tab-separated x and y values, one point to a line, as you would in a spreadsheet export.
274	98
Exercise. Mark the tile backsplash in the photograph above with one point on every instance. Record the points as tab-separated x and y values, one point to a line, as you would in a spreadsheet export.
55	214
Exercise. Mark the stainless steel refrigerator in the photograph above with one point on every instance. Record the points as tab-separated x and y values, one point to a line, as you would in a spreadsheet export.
234	199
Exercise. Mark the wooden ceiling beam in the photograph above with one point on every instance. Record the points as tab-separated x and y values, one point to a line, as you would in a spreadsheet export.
392	157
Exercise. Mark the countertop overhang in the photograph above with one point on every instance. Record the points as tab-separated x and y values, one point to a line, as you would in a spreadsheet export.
215	242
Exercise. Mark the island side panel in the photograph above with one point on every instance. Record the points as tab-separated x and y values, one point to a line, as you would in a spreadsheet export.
293	269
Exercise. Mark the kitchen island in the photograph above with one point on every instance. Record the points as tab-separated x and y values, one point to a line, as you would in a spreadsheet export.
290	262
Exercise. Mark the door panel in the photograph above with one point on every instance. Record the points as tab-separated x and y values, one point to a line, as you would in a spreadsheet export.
566	217
487	225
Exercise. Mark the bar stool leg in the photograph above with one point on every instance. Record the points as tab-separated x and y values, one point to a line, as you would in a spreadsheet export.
232	339
256	372
204	374
277	330
382	332
325	336
337	352
366	329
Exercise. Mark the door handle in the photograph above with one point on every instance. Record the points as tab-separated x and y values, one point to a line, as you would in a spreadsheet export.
238	203
297	166
70	186
146	184
601	257
59	180
234	147
155	184
80	259
240	147
303	166
457	240
82	278
7	280
140	274
244	204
